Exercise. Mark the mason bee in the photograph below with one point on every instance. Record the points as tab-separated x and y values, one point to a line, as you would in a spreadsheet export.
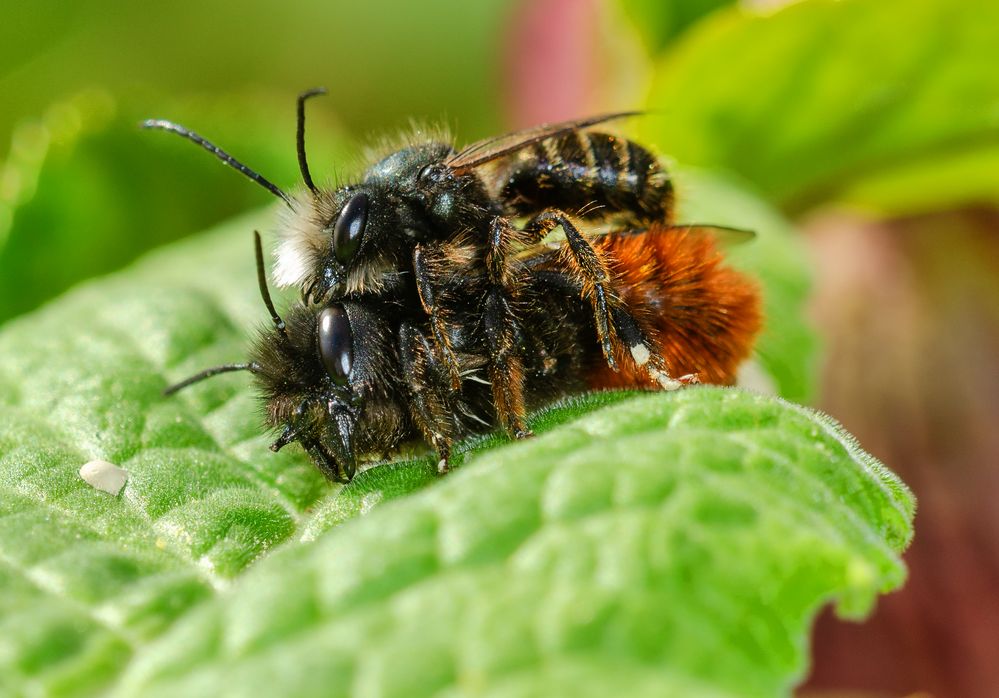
428	312
354	379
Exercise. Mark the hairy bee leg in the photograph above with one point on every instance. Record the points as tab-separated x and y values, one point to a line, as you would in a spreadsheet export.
592	269
424	261
641	348
506	366
431	403
644	353
506	370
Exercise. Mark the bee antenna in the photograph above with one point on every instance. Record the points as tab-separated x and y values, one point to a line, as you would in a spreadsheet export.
303	163
262	282
252	367
219	153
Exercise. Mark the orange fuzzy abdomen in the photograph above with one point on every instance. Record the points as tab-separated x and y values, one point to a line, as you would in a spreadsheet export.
702	316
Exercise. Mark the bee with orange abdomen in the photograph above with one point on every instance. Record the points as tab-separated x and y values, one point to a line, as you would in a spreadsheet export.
434	304
354	379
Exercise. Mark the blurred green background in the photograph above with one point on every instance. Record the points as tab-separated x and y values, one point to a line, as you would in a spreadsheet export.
873	125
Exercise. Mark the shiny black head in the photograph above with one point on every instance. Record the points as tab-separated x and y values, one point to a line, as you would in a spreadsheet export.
358	239
313	379
326	379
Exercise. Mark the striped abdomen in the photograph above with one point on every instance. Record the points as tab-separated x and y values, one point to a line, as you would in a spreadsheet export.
595	175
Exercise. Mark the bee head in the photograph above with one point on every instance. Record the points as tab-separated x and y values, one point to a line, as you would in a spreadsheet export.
329	242
315	371
345	241
306	377
354	239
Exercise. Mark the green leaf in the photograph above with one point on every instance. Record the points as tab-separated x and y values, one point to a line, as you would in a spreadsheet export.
848	100
90	582
667	545
87	579
659	21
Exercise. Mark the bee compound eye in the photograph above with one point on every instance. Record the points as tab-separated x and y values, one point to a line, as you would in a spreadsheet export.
434	172
349	227
336	343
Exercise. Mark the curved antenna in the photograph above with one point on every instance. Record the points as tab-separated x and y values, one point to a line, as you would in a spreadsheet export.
262	282
213	371
229	160
303	163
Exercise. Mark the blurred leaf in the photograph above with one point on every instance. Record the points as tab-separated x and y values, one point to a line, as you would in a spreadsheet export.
90	580
659	21
87	191
812	101
383	60
787	348
933	184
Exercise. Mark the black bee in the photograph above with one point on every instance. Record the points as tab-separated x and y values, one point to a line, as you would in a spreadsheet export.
352	380
427	310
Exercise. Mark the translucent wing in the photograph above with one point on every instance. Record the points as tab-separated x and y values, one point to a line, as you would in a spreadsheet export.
493	148
724	235
543	252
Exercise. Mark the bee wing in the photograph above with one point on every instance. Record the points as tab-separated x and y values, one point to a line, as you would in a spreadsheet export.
724	235
490	149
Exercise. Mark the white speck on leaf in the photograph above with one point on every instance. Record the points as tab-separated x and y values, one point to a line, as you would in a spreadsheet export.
104	476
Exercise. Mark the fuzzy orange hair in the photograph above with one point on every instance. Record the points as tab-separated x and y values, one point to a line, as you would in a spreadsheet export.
702	316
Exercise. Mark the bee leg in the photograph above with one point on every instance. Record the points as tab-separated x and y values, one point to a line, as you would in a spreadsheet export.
444	459
592	269
644	352
506	370
506	367
641	348
426	264
431	404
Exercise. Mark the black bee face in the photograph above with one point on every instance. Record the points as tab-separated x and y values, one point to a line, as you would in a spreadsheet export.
342	220
318	377
356	239
345	242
